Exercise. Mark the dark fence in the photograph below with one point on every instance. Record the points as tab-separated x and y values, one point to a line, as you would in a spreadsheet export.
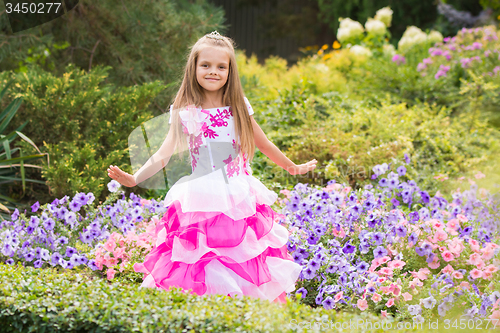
251	34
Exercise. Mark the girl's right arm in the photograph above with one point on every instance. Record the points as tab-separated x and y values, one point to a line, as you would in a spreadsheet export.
154	164
270	150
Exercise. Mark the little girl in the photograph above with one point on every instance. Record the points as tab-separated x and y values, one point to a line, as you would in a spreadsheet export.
219	234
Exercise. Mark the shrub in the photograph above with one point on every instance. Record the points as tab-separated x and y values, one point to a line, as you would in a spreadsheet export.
82	123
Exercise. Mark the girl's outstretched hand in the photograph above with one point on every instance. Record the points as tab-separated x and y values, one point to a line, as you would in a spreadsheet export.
303	168
121	177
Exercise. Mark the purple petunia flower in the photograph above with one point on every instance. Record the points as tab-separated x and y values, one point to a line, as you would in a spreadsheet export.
328	303
401	170
348	248
383	182
91	264
379	252
49	224
35	207
401	231
362	267
308	273
302	291
70	251
38	263
55	259
413	238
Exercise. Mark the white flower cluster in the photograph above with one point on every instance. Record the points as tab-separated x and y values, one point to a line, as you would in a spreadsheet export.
389	50
361	50
413	36
349	29
384	15
435	36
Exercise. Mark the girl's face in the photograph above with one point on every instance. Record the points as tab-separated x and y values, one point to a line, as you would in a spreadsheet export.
212	68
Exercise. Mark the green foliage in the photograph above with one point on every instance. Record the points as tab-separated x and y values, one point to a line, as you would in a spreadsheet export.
357	135
65	301
8	174
83	124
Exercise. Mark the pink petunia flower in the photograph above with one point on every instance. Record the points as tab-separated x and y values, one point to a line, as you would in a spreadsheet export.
487	253
395	264
362	304
447	256
390	302
457	275
407	296
435	263
384	259
110	273
422	273
376	297
109	245
338	296
386	271
495	315
476	273
474	245
453	224
441	235
491	268
448	269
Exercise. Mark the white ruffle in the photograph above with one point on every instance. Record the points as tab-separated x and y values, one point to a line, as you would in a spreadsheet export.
236	199
223	281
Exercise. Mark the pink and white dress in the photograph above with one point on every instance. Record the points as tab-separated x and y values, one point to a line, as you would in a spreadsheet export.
219	234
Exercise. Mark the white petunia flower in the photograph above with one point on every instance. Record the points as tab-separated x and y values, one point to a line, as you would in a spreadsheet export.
113	186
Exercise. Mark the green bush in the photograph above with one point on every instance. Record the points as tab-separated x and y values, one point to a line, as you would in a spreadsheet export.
83	124
45	300
357	135
141	43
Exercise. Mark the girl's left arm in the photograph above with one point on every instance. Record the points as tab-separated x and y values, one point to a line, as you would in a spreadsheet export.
270	150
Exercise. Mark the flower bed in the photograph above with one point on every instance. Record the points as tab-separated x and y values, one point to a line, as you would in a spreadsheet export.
395	250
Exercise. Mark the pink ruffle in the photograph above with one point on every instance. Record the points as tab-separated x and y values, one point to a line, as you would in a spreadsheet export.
219	231
167	273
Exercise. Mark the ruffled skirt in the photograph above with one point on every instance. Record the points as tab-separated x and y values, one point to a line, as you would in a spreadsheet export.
231	246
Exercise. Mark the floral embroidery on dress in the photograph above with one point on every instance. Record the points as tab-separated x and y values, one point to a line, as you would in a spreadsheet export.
194	144
195	126
218	119
210	133
232	165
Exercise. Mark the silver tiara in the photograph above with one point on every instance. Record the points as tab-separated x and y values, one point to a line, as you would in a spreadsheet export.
214	35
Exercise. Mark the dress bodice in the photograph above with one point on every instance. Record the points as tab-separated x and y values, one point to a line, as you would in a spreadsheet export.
211	139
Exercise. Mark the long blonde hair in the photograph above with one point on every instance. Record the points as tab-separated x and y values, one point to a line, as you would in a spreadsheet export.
191	92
